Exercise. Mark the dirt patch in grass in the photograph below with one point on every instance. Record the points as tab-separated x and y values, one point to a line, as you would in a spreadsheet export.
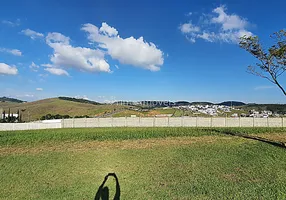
125	144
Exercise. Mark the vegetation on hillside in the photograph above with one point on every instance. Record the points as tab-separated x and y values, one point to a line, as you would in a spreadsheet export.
79	100
8	99
275	108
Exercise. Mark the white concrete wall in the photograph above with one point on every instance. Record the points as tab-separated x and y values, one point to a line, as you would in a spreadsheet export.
232	122
247	121
218	122
190	121
174	122
148	122
276	122
119	121
28	126
204	122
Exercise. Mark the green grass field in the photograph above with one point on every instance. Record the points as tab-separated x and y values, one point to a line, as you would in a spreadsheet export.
151	163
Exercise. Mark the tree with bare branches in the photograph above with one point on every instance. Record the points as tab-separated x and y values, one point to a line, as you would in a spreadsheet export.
272	62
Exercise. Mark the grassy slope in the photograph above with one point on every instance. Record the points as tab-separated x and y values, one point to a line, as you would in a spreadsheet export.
57	106
127	113
71	164
7	104
151	113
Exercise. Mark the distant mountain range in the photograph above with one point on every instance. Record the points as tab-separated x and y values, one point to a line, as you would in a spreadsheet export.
145	103
177	103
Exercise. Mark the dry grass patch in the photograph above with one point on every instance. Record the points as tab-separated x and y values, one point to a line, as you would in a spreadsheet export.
278	137
125	144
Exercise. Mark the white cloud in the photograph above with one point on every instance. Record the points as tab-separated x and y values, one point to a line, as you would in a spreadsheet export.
107	30
65	55
25	95
39	89
10	23
14	52
189	28
32	34
57	71
57	38
228	22
47	65
131	51
34	67
189	14
191	39
8	70
217	26
81	97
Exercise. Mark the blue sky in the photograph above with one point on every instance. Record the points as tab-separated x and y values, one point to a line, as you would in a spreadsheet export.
135	50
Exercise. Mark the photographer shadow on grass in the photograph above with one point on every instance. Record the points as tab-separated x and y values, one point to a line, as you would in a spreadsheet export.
103	192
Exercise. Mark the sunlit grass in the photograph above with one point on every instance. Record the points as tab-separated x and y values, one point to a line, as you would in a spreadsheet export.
151	163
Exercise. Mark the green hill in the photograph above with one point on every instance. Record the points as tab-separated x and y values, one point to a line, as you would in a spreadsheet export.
79	100
35	110
276	108
11	100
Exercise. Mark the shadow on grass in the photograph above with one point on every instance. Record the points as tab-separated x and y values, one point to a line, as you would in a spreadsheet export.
228	132
103	192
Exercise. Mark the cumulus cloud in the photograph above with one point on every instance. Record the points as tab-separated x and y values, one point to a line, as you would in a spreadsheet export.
217	26
15	52
32	34
34	67
57	71
39	89
66	55
7	69
107	30
130	51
